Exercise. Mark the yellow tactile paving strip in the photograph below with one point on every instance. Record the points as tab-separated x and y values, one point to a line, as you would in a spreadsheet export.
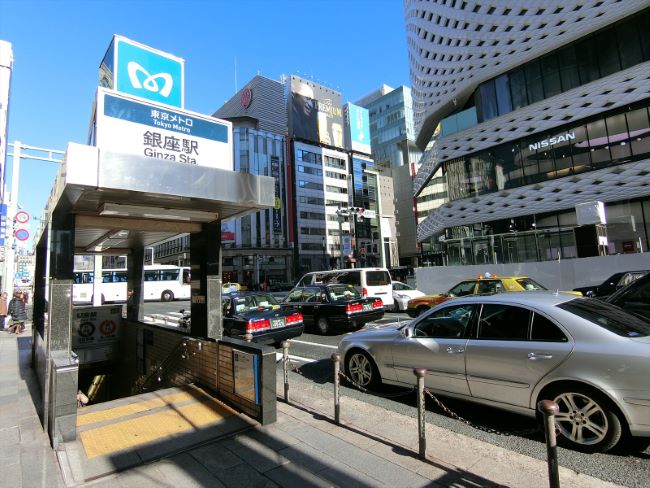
123	411
142	430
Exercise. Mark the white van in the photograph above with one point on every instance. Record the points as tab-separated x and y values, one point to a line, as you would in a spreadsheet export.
371	282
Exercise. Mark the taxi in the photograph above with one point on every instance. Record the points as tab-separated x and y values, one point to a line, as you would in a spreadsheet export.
485	284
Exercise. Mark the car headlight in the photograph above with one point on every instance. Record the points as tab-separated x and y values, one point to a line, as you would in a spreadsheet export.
403	297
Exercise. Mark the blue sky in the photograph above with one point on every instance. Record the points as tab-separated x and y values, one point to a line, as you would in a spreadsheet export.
350	45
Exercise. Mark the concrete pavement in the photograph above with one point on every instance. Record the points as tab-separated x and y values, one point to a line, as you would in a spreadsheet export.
303	448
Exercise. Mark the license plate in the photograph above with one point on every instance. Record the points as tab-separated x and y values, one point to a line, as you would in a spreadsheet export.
367	306
275	323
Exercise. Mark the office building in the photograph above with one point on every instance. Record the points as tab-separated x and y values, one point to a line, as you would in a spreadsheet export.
396	155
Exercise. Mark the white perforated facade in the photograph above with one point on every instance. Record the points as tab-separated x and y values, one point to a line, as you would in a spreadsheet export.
456	47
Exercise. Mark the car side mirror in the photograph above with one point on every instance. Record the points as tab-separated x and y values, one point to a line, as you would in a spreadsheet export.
406	332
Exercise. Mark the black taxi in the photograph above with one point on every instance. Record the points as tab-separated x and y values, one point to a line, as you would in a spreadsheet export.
333	306
259	315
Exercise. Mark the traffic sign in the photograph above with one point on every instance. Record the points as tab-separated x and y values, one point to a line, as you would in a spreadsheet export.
22	217
22	234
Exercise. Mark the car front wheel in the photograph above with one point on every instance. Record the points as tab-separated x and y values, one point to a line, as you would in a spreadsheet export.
586	421
361	370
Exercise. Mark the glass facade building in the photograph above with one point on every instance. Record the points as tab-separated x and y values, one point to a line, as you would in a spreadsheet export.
394	150
556	128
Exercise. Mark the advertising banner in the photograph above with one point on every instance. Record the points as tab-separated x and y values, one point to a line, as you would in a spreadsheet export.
3	223
228	231
135	69
135	127
346	245
358	126
277	214
316	113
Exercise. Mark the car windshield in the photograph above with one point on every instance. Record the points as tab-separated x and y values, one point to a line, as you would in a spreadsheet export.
342	292
256	302
528	284
608	316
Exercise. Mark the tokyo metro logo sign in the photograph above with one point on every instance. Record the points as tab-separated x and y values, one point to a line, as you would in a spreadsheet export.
148	73
149	81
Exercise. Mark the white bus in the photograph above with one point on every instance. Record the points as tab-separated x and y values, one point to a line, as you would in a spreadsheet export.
161	282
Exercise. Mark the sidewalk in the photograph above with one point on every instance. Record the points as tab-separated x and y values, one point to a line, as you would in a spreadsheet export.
26	457
303	448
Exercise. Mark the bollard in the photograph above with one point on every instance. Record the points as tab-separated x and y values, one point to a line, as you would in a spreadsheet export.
336	357
285	366
549	408
419	373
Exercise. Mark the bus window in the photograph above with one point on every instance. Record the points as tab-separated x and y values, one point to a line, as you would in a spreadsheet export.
187	277
151	276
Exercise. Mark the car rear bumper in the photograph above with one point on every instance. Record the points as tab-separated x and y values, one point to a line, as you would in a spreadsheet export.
278	335
355	321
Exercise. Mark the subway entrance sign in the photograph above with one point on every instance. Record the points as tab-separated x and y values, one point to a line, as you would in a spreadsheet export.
135	69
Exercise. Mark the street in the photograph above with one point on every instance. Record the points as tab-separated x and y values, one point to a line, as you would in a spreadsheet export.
310	355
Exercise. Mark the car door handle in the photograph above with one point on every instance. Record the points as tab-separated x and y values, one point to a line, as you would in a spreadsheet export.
533	356
455	350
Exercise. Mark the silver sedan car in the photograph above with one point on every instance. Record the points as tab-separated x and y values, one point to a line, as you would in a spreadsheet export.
512	350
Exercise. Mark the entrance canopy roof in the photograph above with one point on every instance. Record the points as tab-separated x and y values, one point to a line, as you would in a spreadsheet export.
121	201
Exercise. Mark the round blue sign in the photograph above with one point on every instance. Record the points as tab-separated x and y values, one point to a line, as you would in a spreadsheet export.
22	234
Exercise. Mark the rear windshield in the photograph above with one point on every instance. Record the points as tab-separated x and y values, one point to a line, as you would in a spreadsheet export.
377	278
528	284
342	292
258	302
608	316
343	277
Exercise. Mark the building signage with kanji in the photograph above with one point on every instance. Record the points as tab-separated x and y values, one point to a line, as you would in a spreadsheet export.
132	126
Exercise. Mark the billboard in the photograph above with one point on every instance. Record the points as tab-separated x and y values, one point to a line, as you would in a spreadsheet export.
228	230
358	128
128	125
315	113
135	69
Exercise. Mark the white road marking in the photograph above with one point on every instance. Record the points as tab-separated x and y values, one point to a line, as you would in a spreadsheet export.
278	356
314	344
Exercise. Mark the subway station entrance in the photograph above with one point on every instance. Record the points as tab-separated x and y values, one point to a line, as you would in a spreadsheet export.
169	388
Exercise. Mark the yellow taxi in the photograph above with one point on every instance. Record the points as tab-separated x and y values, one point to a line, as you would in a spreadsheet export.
486	284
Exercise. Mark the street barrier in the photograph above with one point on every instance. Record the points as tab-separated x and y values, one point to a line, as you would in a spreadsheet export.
285	367
549	408
336	357
422	441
